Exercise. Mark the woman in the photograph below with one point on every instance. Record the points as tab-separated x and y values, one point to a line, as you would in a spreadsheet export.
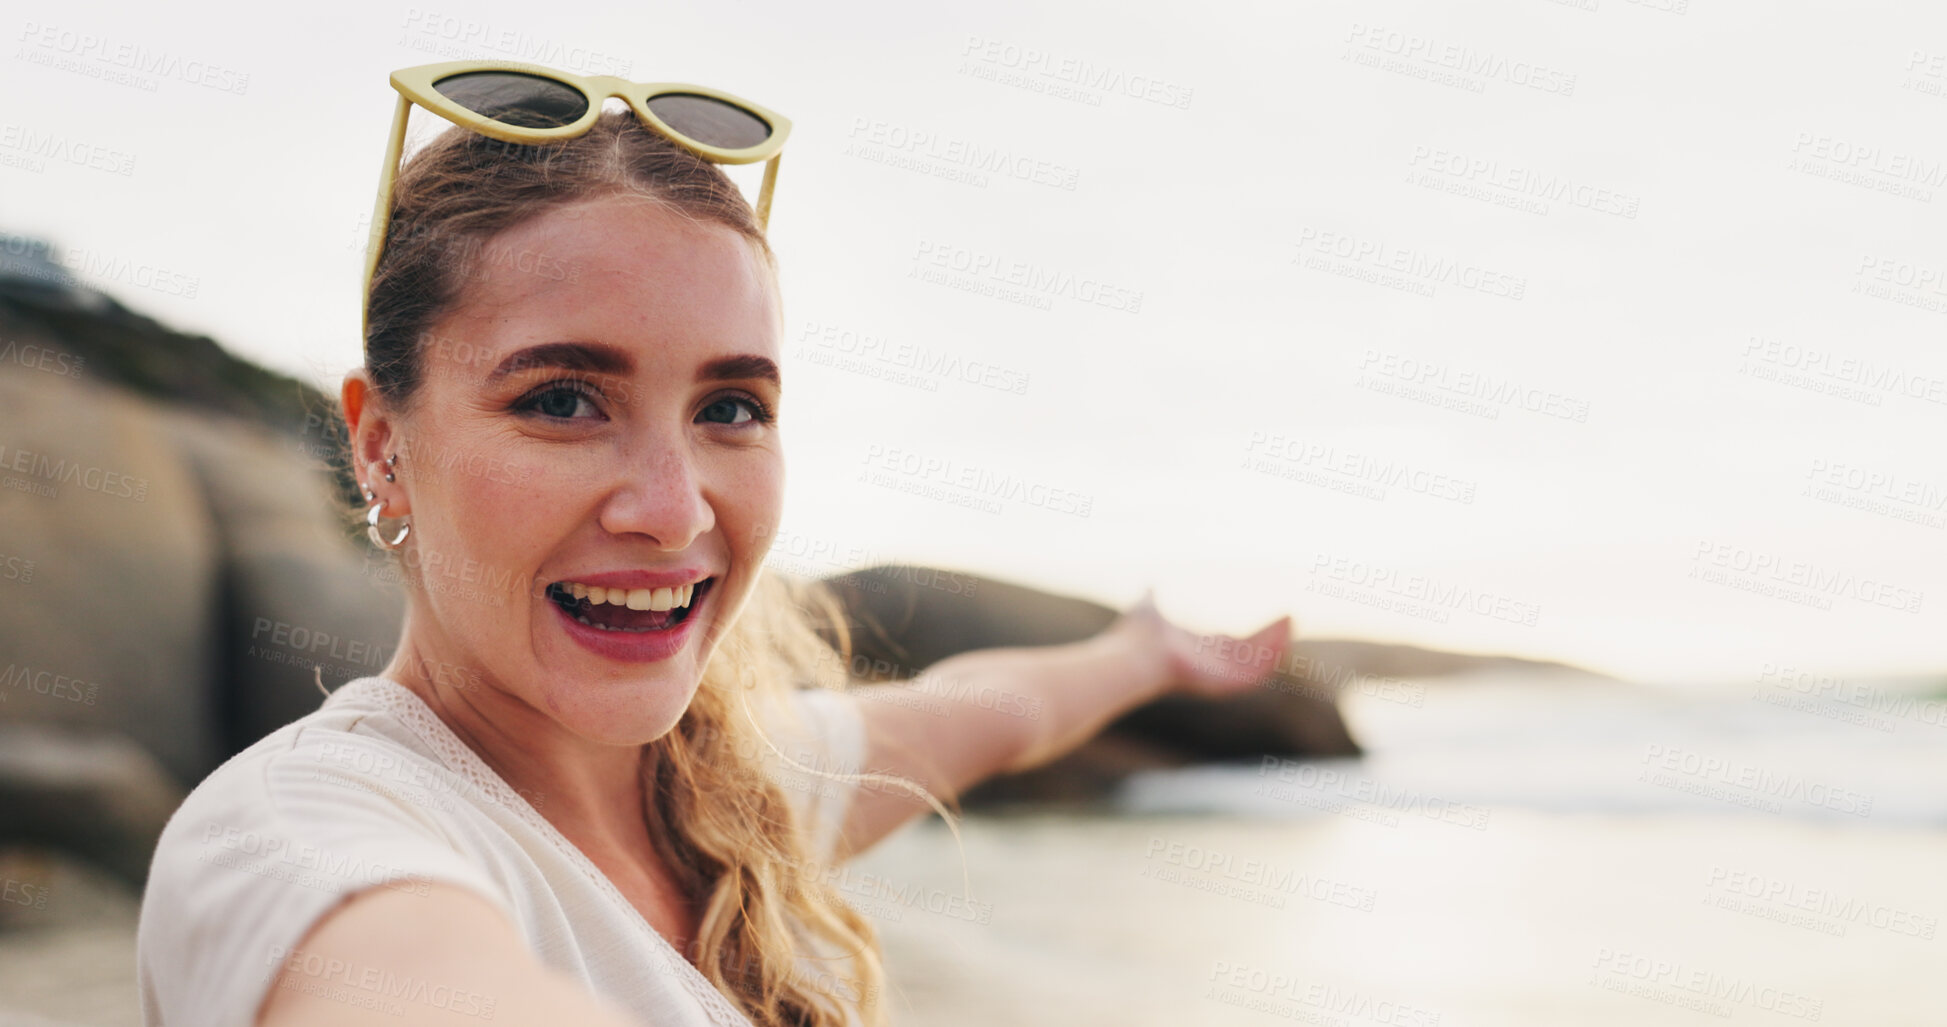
556	804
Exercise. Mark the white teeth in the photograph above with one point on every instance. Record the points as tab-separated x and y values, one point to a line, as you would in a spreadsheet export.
634	598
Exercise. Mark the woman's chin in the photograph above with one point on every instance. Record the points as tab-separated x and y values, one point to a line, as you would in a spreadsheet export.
630	716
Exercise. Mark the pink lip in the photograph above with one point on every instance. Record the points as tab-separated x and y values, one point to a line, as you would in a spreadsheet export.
632	647
639	579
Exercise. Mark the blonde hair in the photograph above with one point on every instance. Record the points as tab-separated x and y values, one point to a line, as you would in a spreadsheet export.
719	822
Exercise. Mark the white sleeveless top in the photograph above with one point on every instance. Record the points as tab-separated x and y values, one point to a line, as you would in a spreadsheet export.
372	788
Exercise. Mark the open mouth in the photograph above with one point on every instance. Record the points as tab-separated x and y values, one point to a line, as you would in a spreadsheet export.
629	610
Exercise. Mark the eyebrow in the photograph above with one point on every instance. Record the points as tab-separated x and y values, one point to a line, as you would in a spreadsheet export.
573	356
744	366
605	359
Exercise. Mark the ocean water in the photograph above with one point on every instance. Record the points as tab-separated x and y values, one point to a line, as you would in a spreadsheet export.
1847	752
1546	852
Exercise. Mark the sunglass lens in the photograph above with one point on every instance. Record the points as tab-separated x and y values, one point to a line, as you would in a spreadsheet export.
528	101
710	121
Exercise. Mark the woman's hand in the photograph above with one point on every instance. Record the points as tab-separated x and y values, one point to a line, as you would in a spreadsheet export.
1208	665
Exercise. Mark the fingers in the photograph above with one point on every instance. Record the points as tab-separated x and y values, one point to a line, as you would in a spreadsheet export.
1274	637
1266	647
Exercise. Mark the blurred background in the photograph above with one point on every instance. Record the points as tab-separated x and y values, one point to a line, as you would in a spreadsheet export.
1570	369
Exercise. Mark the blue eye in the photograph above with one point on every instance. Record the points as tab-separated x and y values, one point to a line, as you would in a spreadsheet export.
563	401
727	405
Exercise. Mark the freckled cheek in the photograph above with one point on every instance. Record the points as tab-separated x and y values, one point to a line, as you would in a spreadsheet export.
491	521
749	505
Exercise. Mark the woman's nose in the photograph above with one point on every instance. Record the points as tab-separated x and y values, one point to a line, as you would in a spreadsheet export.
659	494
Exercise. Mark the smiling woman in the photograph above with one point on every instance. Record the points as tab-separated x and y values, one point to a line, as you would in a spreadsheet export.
554	806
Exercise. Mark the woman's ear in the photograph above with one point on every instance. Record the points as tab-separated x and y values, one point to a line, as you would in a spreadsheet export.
371	434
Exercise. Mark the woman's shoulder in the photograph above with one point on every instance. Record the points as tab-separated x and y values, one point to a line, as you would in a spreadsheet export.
343	799
359	731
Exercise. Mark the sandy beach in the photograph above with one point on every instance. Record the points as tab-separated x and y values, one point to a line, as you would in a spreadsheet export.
1528	855
1170	920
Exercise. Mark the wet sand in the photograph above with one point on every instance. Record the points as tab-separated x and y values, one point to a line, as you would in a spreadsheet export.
1537	919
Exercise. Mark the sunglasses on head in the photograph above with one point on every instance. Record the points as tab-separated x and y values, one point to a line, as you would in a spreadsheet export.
530	105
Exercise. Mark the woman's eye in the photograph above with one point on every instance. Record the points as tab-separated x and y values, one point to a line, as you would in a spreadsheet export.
724	410
563	403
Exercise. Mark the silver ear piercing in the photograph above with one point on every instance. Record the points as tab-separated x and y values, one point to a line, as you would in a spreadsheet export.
374	512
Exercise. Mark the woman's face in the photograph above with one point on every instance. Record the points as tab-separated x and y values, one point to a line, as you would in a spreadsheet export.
595	421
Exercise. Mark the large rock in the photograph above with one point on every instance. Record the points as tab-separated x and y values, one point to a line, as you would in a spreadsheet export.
110	571
172	570
904	618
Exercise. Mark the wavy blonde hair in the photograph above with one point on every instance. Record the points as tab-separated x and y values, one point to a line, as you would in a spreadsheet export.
720	823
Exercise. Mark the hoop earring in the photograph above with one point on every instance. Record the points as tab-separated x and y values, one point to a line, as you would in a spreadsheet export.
372	527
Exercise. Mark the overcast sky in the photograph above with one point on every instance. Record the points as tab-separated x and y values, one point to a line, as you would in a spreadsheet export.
1605	331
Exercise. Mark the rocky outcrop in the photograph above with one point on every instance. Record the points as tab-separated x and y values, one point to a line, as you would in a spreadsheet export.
905	618
172	569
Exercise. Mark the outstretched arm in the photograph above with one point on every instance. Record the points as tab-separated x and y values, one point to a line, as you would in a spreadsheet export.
988	711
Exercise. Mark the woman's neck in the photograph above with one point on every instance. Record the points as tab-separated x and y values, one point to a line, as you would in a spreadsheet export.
591	792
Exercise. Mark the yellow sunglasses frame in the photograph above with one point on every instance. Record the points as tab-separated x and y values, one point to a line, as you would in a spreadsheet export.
416	85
